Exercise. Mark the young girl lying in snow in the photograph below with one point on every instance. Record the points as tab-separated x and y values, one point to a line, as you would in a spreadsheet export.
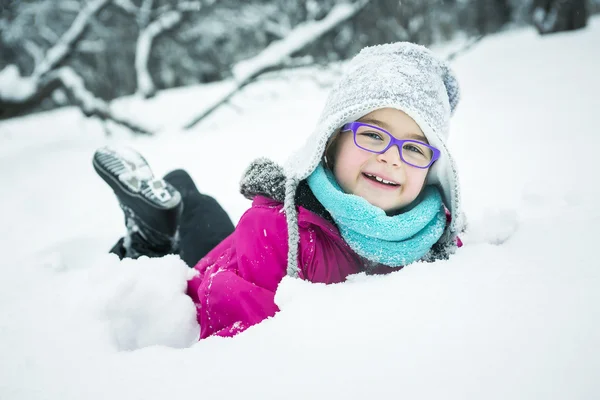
372	190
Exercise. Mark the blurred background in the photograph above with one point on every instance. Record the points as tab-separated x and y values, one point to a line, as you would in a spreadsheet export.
55	53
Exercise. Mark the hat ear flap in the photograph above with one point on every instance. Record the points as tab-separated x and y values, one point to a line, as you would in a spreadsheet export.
452	88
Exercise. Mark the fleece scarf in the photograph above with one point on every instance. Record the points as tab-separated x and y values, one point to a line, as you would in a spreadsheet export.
390	240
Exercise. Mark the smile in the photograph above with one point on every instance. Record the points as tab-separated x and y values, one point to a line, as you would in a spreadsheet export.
380	180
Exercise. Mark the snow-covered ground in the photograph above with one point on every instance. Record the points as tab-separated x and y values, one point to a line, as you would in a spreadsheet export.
514	315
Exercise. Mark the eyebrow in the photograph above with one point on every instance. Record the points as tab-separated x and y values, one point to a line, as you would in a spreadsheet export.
385	126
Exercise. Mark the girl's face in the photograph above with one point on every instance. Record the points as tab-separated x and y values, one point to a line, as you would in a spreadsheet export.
355	168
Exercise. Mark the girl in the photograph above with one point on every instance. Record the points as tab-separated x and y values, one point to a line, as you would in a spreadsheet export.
372	190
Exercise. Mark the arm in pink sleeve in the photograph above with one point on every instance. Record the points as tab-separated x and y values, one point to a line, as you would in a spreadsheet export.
237	282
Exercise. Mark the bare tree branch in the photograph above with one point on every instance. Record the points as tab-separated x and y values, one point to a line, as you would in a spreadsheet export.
48	34
145	13
15	88
465	48
190	6
20	91
60	50
91	46
299	37
279	51
185	6
290	63
74	84
70	5
34	51
66	77
90	104
127	6
276	29
145	84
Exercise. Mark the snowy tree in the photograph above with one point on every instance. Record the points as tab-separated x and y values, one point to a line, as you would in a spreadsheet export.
280	51
122	47
48	71
559	15
152	23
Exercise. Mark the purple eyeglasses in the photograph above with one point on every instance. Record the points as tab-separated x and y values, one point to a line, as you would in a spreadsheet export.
377	140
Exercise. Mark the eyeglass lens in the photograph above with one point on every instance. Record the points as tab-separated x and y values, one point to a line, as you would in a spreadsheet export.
375	140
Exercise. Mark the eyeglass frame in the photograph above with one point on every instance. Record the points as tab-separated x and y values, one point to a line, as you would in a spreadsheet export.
353	126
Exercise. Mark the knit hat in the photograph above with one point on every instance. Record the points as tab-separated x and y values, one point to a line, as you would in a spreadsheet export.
404	76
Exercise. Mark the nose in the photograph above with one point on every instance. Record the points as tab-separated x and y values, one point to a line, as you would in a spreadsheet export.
391	156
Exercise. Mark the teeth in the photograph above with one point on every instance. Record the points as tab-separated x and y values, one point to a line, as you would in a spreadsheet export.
378	179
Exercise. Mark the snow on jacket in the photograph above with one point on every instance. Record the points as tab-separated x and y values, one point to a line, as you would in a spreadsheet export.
237	280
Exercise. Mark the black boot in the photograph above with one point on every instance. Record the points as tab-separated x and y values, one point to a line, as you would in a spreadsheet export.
152	206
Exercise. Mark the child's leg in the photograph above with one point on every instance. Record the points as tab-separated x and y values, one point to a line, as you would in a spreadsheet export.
151	206
204	223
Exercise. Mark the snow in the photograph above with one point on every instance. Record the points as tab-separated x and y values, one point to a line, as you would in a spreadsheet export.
515	314
14	87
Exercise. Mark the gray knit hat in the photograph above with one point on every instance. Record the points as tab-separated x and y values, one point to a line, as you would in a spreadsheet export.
404	76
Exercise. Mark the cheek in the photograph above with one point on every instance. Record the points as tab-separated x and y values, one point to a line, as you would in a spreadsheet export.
416	180
348	164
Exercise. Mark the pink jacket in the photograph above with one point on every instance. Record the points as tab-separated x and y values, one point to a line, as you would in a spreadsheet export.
236	284
237	280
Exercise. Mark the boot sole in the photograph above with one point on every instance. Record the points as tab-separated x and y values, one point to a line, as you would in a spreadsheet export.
131	178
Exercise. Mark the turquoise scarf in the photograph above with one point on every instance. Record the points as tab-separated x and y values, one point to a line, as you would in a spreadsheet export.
393	241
